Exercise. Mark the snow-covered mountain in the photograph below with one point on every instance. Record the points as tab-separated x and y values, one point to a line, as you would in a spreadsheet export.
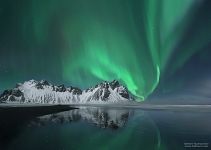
44	92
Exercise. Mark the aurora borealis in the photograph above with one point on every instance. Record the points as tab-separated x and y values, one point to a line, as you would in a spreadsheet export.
142	43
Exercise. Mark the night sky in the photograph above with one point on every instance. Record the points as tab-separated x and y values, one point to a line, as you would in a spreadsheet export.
153	47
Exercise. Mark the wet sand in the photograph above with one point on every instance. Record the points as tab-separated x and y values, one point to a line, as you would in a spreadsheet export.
12	117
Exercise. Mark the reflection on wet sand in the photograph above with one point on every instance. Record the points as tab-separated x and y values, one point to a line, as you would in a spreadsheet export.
112	128
101	117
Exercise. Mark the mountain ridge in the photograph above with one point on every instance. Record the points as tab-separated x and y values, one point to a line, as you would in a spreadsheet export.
33	91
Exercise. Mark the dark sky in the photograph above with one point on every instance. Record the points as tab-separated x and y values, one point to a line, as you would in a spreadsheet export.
152	47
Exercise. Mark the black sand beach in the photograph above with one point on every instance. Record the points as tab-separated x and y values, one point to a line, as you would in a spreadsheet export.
13	117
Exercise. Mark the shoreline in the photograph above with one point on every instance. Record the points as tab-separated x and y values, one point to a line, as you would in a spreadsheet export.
64	107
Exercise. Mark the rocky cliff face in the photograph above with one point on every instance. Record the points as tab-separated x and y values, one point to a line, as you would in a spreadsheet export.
45	92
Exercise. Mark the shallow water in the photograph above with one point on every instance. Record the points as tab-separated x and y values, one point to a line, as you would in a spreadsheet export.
107	128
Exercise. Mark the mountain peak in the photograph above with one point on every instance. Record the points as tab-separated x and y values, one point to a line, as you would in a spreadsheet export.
44	92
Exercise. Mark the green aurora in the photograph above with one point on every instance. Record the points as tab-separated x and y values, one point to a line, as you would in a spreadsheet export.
112	45
84	42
